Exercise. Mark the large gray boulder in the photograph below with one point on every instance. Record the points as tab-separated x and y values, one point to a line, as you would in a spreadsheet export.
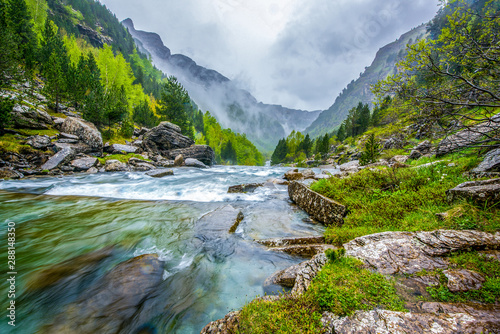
86	132
485	191
119	148
202	153
84	164
321	208
26	117
165	137
491	162
190	162
116	166
430	317
39	142
410	252
468	137
59	159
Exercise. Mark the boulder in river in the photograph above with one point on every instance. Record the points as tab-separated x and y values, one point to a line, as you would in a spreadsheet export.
190	162
244	188
84	164
203	153
321	208
116	166
179	160
165	137
113	301
86	132
159	173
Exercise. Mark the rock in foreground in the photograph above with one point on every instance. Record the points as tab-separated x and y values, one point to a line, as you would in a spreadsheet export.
486	191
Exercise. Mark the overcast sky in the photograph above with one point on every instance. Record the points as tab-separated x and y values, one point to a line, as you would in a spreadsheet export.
299	54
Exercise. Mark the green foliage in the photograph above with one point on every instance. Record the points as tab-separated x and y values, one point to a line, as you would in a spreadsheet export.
297	148
218	139
453	80
120	157
19	21
487	266
175	105
9	53
371	151
334	254
279	153
404	199
287	315
144	116
6	106
343	287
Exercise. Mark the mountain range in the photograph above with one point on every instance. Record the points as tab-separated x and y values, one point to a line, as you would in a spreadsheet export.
265	124
235	108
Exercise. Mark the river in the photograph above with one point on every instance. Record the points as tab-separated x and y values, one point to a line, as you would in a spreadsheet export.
57	219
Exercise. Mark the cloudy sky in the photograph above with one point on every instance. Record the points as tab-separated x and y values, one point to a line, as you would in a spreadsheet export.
299	54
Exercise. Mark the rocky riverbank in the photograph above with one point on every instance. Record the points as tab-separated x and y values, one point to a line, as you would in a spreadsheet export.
440	277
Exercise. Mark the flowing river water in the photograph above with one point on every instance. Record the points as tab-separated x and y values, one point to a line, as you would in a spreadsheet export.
57	219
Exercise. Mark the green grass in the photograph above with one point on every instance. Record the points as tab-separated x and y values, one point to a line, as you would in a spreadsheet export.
10	143
33	132
405	199
343	287
120	157
287	315
488	267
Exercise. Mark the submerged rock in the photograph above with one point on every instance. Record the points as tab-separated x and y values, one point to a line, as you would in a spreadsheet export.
159	173
485	191
244	188
113	301
321	208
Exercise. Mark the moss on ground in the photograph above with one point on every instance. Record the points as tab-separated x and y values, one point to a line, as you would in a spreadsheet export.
121	157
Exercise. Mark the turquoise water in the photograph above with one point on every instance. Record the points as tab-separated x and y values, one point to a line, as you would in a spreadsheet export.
57	219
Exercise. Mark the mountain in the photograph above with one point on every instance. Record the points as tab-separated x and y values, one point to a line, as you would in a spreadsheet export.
358	90
235	108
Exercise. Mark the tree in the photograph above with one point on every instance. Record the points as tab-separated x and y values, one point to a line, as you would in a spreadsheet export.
453	81
116	108
228	153
22	28
55	79
144	116
9	54
174	104
306	146
324	143
341	135
279	153
6	106
371	151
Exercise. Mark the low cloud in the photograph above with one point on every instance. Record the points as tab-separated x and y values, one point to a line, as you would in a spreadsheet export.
298	54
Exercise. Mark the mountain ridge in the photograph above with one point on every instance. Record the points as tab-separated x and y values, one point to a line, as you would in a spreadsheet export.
235	108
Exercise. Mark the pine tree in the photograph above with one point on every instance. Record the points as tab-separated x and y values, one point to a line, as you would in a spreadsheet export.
174	104
22	29
306	145
144	116
371	151
9	54
55	84
279	153
228	153
341	135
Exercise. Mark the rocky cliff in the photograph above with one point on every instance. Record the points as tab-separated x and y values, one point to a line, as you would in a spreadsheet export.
358	90
234	108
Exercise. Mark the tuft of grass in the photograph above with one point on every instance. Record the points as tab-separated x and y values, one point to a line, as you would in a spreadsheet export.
10	143
33	132
286	315
120	157
405	199
488	267
344	286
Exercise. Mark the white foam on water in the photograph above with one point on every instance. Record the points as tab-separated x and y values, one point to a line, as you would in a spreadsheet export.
163	254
